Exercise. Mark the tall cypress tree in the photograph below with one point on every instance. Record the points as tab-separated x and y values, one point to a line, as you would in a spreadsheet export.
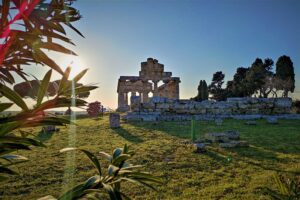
285	73
202	91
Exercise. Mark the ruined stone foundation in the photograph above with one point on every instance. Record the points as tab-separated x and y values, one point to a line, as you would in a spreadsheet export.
160	108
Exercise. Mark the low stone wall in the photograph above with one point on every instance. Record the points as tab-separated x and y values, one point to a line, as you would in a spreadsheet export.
231	106
159	108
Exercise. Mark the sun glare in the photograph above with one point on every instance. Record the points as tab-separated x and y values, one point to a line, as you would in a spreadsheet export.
76	64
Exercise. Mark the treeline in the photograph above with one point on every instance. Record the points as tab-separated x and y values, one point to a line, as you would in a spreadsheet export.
257	80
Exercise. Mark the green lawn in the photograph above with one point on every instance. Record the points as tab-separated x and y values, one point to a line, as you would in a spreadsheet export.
160	148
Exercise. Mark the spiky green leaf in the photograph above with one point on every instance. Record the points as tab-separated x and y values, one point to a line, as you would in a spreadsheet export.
5	106
13	96
80	75
117	152
43	88
90	155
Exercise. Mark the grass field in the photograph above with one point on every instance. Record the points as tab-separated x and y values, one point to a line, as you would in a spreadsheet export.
160	148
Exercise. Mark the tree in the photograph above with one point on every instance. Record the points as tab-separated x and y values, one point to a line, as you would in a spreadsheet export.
237	87
285	72
215	88
94	109
258	73
202	91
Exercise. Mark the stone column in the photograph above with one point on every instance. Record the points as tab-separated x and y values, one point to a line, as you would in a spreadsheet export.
176	82
121	100
126	98
155	91
145	97
177	90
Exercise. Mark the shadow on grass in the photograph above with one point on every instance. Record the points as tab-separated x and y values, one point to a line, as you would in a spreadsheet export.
178	129
98	119
269	139
128	136
270	167
216	156
44	136
254	152
259	157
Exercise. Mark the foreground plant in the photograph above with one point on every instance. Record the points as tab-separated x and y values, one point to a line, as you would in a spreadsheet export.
103	185
287	189
12	137
27	29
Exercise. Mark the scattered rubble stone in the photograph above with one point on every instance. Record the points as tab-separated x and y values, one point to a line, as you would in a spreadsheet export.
227	139
223	137
272	120
234	135
219	121
217	137
50	128
200	147
251	123
228	144
234	143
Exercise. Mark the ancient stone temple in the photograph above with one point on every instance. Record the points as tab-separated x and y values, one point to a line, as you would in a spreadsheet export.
147	84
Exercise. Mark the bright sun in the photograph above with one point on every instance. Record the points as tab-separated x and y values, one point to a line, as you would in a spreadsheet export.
75	63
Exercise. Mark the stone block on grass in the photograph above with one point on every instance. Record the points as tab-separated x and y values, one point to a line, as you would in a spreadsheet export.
233	135
272	120
114	120
252	123
234	143
219	121
217	137
200	148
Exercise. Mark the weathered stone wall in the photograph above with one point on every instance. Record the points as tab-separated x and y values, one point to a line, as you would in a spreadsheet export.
231	106
163	108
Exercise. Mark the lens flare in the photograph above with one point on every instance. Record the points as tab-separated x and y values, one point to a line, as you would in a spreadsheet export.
70	156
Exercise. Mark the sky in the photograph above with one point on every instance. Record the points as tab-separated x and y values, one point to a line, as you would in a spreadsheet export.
193	39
